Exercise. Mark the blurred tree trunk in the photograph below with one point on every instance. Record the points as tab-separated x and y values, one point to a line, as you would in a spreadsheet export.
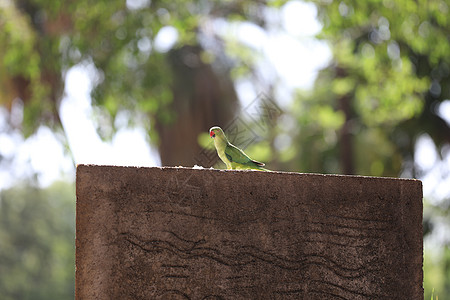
202	97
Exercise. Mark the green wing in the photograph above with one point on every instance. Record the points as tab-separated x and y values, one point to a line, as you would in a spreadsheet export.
234	154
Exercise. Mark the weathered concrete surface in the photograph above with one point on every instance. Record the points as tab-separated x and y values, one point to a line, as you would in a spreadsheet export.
175	233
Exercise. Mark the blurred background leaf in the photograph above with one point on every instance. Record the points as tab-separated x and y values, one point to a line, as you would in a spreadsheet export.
37	234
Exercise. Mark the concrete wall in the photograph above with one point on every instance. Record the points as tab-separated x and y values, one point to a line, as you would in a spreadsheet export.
178	233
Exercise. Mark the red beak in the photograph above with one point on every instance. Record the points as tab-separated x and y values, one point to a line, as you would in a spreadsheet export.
212	134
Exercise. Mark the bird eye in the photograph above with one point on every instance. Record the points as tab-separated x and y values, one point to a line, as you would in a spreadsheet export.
214	135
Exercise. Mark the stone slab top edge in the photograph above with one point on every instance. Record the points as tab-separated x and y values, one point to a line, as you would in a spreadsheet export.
201	169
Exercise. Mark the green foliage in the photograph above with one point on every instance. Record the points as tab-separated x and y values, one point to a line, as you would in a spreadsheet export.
37	234
392	51
436	268
260	151
316	136
40	40
20	58
380	89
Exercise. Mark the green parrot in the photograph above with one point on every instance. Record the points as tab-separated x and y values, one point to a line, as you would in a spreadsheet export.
231	155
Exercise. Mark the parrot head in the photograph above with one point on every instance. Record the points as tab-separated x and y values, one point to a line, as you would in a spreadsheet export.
216	131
